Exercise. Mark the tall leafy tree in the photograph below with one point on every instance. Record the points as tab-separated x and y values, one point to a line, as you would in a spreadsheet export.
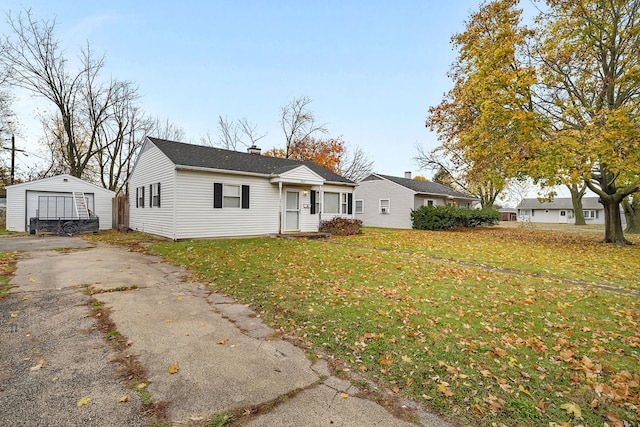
490	107
588	55
558	102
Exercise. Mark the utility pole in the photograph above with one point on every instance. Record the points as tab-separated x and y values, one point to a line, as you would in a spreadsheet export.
13	157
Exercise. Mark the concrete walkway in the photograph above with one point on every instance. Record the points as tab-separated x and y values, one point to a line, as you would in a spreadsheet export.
226	358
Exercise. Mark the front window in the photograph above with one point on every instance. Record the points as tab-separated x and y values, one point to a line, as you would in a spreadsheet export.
231	196
344	204
590	214
331	203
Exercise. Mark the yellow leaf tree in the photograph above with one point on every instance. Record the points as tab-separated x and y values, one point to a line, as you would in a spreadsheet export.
557	102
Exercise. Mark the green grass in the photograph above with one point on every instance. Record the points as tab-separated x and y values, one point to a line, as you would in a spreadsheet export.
476	345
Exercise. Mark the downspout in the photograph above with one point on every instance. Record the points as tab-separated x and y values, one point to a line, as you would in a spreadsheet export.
280	208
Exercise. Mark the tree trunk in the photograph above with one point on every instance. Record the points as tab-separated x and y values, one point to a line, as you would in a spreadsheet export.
576	201
613	224
632	214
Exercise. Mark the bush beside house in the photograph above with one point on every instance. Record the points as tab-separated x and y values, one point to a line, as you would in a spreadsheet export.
446	217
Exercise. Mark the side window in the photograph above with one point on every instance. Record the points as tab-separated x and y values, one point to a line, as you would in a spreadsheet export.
359	206
385	206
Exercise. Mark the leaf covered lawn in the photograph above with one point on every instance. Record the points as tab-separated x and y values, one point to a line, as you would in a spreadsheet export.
475	345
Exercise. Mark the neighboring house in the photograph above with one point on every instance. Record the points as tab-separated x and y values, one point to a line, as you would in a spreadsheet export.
55	195
182	191
387	201
560	210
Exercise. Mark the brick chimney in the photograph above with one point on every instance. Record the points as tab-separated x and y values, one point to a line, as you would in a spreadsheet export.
254	149
407	174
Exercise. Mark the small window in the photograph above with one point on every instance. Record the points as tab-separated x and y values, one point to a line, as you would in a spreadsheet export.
344	203
140	197
385	206
231	196
154	195
428	202
563	213
359	206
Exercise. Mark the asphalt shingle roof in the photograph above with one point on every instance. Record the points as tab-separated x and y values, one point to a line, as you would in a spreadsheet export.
183	154
427	187
559	203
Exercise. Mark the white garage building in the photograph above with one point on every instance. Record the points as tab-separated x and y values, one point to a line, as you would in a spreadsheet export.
55	194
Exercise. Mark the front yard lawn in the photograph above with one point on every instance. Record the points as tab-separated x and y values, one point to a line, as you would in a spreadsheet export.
476	345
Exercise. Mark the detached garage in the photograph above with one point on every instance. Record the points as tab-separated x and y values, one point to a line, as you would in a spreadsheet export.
56	194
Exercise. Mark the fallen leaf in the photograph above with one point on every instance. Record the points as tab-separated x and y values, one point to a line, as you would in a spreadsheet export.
406	359
31	279
140	386
442	388
173	369
344	395
14	314
39	366
83	401
223	341
123	399
572	409
168	321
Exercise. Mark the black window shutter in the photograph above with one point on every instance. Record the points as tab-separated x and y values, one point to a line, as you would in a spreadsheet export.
142	196
245	197
137	202
313	202
350	203
217	195
158	194
150	195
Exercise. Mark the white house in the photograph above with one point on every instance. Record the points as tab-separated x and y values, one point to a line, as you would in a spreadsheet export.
26	199
560	210
182	191
387	201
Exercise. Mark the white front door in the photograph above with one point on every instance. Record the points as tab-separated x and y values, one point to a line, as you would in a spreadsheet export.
563	217
292	211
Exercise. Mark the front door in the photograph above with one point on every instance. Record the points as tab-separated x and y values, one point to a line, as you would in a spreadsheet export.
292	211
563	217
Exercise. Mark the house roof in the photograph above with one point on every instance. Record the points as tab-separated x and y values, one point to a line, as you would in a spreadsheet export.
559	203
217	158
425	187
65	177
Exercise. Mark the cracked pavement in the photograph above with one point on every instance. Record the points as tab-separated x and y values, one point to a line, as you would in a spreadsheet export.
227	358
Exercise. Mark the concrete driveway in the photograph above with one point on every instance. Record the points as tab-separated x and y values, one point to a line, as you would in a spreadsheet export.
202	353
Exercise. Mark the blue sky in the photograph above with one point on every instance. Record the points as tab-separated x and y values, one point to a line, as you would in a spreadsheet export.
371	68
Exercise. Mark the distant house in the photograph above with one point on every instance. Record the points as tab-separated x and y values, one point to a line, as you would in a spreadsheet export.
183	191
560	210
387	201
55	195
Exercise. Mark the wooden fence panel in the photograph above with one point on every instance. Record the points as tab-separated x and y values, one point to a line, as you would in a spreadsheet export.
120	220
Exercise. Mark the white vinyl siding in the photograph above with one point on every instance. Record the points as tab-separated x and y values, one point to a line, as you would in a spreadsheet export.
151	168
401	202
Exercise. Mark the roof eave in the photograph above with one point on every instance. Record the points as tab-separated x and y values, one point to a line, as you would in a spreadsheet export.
227	171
